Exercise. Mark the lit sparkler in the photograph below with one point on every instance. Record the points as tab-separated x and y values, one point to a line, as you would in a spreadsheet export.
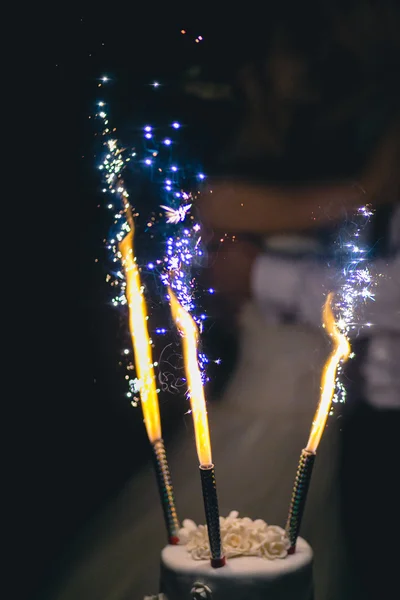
140	339
340	353
183	245
131	292
145	371
189	332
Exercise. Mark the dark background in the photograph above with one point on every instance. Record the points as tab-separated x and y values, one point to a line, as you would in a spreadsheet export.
75	438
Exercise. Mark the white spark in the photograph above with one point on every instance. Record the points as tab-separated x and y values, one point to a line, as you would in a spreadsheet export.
176	215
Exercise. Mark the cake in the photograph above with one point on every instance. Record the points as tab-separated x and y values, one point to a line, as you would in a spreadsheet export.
258	565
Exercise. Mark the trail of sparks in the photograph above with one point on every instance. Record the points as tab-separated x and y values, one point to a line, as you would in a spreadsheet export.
174	221
358	282
356	287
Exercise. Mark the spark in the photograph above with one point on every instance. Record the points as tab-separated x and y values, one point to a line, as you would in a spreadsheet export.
358	283
175	215
183	245
354	290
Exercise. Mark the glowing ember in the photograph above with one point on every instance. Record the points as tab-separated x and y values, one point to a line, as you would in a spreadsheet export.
340	352
188	329
140	338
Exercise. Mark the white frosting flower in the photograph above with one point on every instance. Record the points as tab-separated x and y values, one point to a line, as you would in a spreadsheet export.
187	526
240	537
276	543
198	544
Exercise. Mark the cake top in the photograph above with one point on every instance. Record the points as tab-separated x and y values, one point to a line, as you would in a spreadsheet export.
239	536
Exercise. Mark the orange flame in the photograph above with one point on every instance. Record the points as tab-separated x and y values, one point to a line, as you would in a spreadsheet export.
188	329
340	352
140	339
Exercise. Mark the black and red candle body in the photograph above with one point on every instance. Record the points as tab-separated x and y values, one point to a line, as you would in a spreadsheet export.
209	488
299	497
166	491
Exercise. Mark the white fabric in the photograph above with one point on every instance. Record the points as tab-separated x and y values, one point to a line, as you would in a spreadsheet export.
275	283
282	285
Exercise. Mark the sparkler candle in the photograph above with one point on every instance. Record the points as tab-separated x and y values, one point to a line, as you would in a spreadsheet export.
188	329
340	352
145	372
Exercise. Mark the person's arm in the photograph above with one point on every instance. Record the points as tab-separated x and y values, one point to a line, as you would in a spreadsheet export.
238	206
245	207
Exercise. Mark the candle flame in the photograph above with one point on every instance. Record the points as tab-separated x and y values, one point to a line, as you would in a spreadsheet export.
340	352
188	329
140	339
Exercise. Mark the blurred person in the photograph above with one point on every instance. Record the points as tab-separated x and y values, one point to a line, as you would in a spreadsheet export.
294	138
275	274
275	295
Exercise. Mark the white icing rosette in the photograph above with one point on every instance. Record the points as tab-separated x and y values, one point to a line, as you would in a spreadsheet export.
276	543
240	537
